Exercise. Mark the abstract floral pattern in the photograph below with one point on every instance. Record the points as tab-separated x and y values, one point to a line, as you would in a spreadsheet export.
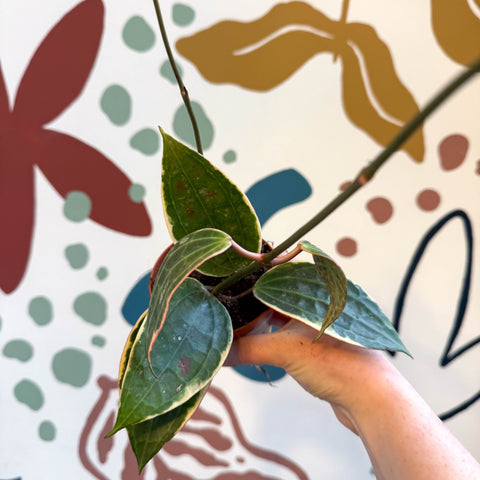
263	53
412	238
55	76
212	440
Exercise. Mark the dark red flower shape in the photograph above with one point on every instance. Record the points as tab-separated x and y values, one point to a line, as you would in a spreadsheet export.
54	78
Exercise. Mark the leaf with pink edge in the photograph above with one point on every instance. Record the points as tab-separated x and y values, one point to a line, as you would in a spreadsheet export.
190	348
184	257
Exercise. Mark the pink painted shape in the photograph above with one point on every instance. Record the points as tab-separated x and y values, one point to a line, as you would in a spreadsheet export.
452	151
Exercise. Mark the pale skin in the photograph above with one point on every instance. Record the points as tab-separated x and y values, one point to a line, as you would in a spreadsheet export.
404	438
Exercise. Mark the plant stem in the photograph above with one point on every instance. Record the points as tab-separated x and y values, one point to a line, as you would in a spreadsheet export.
362	178
178	78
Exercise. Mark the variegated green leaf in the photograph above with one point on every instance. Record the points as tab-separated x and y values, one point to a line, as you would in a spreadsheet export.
184	257
148	437
334	279
127	349
297	290
197	195
191	347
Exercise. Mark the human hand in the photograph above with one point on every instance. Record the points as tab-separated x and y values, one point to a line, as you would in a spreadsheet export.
329	369
402	435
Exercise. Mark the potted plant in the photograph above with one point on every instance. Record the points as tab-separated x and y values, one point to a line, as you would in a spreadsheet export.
216	279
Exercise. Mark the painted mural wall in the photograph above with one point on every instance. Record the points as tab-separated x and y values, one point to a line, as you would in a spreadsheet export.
293	99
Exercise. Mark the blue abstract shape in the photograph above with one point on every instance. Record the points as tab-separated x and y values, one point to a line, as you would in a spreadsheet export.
269	373
137	300
277	191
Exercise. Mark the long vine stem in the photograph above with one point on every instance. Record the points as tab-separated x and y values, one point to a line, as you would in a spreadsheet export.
362	178
178	78
365	175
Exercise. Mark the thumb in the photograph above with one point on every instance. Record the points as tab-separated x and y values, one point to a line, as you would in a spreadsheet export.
258	347
252	349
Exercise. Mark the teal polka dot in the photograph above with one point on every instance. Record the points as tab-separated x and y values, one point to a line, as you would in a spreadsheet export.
47	431
98	341
77	206
182	14
41	310
183	128
146	141
116	104
29	393
77	255
137	192
102	273
230	156
91	307
166	71
18	349
138	35
72	366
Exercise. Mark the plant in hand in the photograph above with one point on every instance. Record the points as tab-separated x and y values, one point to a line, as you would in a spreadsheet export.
219	276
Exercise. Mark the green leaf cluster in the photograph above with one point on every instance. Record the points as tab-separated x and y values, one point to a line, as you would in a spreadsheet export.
178	345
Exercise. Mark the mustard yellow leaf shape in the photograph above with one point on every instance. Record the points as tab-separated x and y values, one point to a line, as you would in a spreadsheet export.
395	99
374	113
383	108
257	55
457	29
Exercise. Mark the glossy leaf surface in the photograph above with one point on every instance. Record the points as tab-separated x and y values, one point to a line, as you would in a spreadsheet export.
335	281
191	347
197	195
148	437
297	290
184	257
127	349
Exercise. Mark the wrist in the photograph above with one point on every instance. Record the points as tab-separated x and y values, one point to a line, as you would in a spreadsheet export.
370	385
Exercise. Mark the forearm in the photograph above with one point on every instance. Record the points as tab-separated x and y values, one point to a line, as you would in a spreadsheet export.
403	436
